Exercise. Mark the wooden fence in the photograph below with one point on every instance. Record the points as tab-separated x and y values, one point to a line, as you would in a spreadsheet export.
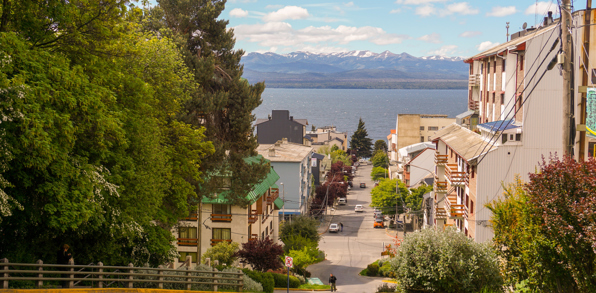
100	276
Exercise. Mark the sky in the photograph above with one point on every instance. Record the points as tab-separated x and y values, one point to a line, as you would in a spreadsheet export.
417	27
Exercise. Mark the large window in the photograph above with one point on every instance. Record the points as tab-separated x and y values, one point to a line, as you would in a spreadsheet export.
222	234
433	128
187	232
221	212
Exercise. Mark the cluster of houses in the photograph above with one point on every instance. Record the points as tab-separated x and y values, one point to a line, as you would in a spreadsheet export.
514	119
285	192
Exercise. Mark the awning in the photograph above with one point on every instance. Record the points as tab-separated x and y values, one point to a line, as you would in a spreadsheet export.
279	203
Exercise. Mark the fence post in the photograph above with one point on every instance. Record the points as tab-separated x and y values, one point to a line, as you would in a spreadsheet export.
40	275
5	269
208	261
160	272
241	282
100	271
71	276
188	279
130	278
214	277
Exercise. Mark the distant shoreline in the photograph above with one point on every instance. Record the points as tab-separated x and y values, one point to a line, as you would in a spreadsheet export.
418	85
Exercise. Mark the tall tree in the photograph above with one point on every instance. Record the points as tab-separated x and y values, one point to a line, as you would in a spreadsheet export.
360	142
380	146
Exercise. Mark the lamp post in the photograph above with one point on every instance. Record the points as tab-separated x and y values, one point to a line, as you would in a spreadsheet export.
283	199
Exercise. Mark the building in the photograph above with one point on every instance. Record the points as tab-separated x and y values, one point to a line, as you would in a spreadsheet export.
280	125
328	135
292	162
220	221
392	145
415	128
416	163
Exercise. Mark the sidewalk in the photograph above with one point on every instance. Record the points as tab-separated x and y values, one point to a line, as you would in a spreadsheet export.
328	219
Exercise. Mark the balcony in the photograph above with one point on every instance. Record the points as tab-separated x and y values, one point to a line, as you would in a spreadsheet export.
455	210
265	217
253	217
440	213
187	241
474	80
455	177
440	160
474	105
217	241
440	186
253	237
273	196
221	217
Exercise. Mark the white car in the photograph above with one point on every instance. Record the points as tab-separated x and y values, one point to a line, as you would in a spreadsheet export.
342	201
359	208
333	228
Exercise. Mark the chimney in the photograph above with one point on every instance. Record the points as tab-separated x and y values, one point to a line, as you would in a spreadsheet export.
269	116
284	140
546	21
272	152
291	118
550	17
278	143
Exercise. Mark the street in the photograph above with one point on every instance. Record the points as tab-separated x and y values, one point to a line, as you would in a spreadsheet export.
359	244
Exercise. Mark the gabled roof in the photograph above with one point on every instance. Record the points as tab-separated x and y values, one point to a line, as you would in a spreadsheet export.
415	148
466	143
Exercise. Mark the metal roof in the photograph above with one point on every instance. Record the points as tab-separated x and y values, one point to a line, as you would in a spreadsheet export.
500	125
278	202
466	143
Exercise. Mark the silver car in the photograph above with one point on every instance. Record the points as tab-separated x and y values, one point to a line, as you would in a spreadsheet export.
333	228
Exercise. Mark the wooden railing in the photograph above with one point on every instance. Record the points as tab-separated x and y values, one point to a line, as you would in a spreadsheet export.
440	160
265	217
273	196
217	241
455	210
474	105
440	186
253	217
221	217
474	80
253	237
457	178
187	241
100	276
440	213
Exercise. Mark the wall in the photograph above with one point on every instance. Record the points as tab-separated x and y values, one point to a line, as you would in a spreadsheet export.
438	122
408	129
278	127
426	160
289	175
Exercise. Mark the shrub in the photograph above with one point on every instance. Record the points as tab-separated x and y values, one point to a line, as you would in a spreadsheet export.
372	270
251	285
297	242
385	269
301	279
386	288
223	252
265	279
429	259
303	226
262	254
281	281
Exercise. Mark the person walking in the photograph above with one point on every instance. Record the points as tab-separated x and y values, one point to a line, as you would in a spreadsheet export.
332	280
341	226
64	256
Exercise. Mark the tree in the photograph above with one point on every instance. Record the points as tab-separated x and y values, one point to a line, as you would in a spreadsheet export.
360	142
380	159
301	225
223	252
426	261
379	173
380	146
303	257
384	196
297	242
262	254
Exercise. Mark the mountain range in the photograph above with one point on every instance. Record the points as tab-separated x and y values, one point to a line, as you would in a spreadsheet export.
355	69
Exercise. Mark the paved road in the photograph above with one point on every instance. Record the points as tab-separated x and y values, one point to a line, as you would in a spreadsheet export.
360	244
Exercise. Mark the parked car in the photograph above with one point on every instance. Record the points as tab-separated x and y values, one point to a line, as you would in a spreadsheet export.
342	201
359	208
379	223
362	185
333	228
377	212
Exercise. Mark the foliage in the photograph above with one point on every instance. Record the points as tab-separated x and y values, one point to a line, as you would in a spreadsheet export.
223	252
378	173
281	281
251	285
384	196
265	279
340	156
360	142
380	146
416	196
261	254
372	270
297	242
445	261
303	226
380	159
304	257
335	148
314	287
386	288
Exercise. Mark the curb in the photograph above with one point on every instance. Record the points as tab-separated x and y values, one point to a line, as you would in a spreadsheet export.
297	289
101	290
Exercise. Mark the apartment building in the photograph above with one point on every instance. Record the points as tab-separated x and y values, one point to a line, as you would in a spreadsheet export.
329	136
280	125
415	128
221	221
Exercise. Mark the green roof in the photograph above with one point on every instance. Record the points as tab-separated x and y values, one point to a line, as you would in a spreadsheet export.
278	202
257	190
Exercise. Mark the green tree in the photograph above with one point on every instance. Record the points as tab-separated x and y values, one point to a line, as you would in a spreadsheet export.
223	252
384	196
426	260
379	173
380	159
303	257
380	146
301	225
360	142
297	242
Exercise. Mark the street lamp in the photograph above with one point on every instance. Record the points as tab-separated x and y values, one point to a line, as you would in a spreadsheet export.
283	199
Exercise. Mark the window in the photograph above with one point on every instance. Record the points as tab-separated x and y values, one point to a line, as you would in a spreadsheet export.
183	255
471	206
518	137
266	230
221	212
502	99
222	234
433	128
521	63
504	138
429	138
511	137
481	68
487	67
187	232
422	139
504	65
493	97
592	149
421	127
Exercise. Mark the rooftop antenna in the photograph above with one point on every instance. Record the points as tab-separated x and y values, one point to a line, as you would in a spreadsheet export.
507	31
525	26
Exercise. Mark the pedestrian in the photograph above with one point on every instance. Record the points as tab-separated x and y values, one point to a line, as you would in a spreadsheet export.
341	226
64	256
332	280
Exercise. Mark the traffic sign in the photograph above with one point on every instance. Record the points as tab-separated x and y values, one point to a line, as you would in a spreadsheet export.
289	261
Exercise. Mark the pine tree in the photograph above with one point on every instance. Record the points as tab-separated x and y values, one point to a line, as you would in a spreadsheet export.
360	142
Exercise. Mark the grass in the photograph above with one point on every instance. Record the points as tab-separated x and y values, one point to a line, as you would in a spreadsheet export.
309	286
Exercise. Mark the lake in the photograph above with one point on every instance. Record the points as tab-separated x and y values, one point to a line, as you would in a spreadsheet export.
377	107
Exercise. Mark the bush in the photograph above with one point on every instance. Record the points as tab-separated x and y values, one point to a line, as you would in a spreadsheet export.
301	279
297	242
281	281
251	285
262	254
265	279
303	226
223	252
385	269
372	270
445	261
386	288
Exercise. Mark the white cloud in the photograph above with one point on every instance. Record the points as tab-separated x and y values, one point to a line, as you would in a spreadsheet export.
432	38
460	8
470	34
274	6
486	45
288	12
444	51
426	10
317	49
499	11
237	12
395	11
417	2
349	4
542	8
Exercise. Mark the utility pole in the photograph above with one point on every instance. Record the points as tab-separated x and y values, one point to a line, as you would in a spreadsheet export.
585	82
199	231
567	86
507	31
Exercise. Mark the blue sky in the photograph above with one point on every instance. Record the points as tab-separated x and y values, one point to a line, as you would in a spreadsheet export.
418	27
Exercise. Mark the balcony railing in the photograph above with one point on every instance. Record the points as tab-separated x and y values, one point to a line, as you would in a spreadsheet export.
440	186
440	213
473	105
273	196
217	241
253	237
265	217
221	217
440	160
474	80
455	210
187	241
457	178
253	217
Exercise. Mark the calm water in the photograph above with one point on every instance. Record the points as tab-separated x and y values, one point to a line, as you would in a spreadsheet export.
378	108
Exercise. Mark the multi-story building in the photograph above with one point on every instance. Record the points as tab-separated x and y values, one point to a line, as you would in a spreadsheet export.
416	163
328	135
280	125
292	162
222	221
415	128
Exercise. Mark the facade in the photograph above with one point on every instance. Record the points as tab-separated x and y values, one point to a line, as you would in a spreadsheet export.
419	167
221	221
328	135
392	145
293	164
280	125
415	128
